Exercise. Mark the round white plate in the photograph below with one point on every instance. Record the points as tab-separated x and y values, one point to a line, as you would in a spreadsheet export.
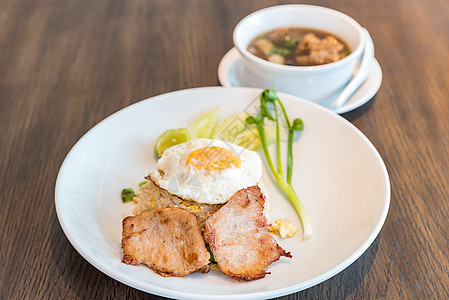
229	76
338	174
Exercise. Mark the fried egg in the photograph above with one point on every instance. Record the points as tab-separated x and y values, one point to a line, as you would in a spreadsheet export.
207	171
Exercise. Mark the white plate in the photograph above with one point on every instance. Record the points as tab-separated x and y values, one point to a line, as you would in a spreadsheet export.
339	175
229	76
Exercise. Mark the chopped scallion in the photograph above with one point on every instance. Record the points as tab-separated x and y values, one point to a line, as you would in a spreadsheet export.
280	51
128	195
142	183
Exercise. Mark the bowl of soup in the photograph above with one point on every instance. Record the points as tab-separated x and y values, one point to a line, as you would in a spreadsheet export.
305	50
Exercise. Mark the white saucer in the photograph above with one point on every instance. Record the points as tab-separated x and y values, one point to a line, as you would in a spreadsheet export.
229	69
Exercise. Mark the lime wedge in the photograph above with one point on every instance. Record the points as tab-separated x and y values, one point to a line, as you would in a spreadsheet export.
170	138
231	127
204	125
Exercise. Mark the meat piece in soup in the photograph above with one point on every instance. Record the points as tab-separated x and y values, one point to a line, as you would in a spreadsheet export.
298	46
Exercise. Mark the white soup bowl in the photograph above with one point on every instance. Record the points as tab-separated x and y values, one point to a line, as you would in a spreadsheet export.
316	83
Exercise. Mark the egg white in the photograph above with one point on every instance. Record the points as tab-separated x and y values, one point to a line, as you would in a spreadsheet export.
177	177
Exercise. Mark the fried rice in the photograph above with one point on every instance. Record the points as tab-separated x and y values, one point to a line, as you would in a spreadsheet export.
151	196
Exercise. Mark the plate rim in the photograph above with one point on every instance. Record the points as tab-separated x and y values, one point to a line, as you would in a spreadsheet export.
251	295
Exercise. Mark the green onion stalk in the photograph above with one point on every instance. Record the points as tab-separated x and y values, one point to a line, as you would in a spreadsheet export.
269	108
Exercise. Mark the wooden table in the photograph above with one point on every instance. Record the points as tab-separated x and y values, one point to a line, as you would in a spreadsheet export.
66	65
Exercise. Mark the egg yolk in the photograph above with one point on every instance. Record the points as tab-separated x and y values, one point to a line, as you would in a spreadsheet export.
214	159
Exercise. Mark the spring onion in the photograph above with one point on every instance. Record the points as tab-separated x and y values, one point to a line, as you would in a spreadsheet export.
270	106
128	195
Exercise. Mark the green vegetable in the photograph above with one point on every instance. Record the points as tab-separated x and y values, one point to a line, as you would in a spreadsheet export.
230	127
212	259
171	138
249	138
142	183
270	104
127	195
292	43
235	130
204	125
280	51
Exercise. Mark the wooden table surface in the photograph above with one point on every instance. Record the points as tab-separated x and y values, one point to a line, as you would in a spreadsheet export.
66	65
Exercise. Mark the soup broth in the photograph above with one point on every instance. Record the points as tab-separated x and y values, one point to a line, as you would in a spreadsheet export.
299	46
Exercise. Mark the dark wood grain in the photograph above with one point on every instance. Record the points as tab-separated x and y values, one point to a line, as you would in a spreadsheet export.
66	65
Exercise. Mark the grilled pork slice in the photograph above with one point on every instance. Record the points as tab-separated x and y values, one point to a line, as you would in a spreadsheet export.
167	240
239	236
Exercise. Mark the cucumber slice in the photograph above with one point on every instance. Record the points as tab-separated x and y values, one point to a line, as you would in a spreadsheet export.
231	127
204	125
249	138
